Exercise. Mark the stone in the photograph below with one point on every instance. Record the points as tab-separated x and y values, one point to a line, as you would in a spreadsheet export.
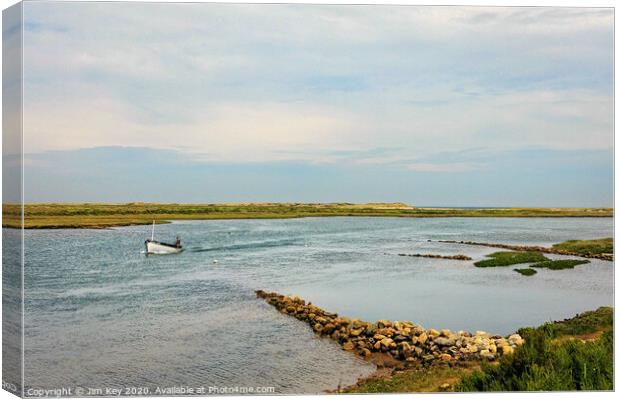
506	350
433	333
356	333
445	357
515	339
364	352
348	346
443	341
444	332
328	328
422	338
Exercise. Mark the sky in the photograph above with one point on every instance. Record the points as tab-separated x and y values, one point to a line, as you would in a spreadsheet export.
432	106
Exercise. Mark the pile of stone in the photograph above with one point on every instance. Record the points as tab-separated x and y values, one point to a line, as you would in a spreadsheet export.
453	257
402	340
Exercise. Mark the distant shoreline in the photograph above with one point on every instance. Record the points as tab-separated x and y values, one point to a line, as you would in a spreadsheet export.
101	215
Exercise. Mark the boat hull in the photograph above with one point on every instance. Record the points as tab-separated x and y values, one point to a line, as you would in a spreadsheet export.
158	248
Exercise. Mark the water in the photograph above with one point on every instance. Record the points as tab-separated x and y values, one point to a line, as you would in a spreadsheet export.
101	314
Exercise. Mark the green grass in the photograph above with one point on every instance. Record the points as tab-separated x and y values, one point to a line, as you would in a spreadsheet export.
560	264
526	272
425	380
601	319
101	215
511	258
552	359
588	247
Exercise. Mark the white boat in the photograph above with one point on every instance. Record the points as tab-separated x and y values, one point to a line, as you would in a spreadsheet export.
161	248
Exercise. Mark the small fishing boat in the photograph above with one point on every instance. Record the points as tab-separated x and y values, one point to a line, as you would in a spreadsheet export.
161	248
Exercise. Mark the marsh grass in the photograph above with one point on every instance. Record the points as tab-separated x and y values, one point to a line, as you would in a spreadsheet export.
102	215
588	247
526	271
511	258
560	264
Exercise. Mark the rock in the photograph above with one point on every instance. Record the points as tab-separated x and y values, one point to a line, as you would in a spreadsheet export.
515	339
443	341
422	338
444	357
444	387
328	328
348	346
400	338
356	333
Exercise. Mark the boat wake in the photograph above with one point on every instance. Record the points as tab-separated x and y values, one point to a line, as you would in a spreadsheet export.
252	245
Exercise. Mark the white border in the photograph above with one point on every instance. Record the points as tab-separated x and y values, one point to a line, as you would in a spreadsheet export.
566	3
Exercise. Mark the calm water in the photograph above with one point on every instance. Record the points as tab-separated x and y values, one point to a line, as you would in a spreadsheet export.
99	313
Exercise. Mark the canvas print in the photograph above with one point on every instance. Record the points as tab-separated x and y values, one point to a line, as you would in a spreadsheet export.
279	199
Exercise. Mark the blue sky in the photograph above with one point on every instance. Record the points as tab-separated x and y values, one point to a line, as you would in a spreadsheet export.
445	106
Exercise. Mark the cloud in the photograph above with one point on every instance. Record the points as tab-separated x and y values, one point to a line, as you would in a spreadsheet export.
255	83
445	167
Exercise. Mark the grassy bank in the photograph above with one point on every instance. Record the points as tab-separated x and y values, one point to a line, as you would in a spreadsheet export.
99	215
588	247
574	354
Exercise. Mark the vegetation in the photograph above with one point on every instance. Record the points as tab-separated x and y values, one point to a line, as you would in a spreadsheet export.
98	215
511	258
592	321
433	379
588	247
555	357
560	264
526	271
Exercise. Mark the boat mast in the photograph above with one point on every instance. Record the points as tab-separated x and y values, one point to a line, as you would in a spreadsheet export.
153	231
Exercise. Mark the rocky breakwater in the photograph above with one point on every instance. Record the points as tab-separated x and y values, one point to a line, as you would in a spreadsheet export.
434	256
531	248
402	340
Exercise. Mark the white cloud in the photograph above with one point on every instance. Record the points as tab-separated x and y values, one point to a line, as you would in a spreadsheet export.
236	83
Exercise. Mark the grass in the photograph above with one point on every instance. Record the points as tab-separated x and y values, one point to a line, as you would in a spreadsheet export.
560	264
601	319
511	258
101	215
588	247
424	380
554	358
526	271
